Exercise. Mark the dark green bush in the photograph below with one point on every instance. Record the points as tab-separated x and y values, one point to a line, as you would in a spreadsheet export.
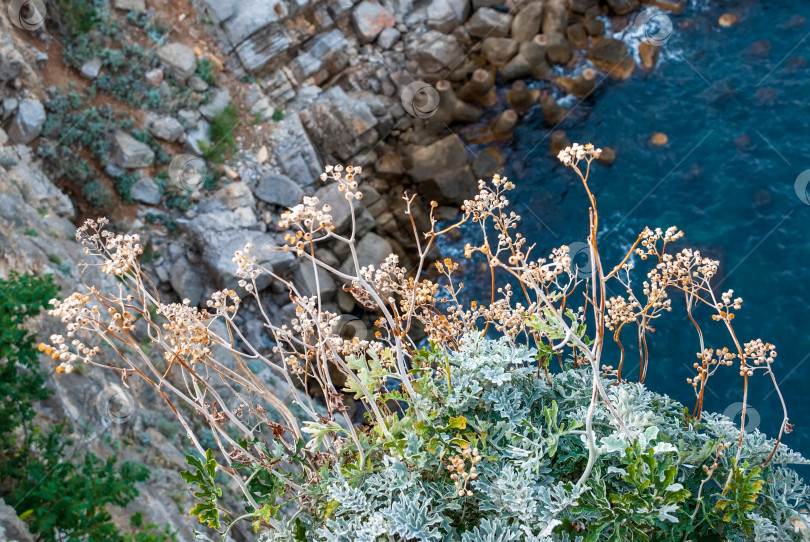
61	500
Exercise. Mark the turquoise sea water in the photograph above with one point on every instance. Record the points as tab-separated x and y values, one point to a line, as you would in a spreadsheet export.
734	103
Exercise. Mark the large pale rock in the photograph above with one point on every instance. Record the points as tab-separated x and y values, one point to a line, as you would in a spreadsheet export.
218	249
31	184
370	18
129	153
612	56
167	129
435	52
263	47
294	152
444	155
28	122
371	250
322	57
279	190
217	105
304	280
179	59
91	68
12	528
131	5
220	10
186	280
145	190
198	137
251	16
341	210
235	195
488	22
447	15
341	126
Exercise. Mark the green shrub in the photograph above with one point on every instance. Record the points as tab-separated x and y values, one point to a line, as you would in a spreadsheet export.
98	195
76	17
495	458
205	71
221	135
61	500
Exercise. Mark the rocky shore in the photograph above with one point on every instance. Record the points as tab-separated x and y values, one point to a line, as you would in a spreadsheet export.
419	93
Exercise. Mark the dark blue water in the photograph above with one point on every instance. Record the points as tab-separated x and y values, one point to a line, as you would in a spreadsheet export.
736	114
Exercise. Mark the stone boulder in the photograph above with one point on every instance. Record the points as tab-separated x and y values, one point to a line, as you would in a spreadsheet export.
218	249
526	23
198	137
622	7
341	126
341	210
323	56
131	5
28	122
488	22
129	153
444	155
369	19
12	528
388	38
499	51
219	102
304	280
612	56
234	195
447	15
450	187
167	128
145	190
91	68
371	250
293	151
279	190
179	59
186	280
441	171
435	52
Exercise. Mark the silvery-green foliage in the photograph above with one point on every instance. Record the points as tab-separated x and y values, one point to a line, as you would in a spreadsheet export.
529	432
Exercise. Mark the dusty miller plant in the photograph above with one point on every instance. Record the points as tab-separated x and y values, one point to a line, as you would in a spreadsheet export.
506	423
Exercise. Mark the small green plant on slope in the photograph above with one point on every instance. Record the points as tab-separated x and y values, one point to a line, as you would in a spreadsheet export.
510	424
60	499
221	135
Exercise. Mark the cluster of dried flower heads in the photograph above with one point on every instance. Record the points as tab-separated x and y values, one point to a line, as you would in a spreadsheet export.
531	301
